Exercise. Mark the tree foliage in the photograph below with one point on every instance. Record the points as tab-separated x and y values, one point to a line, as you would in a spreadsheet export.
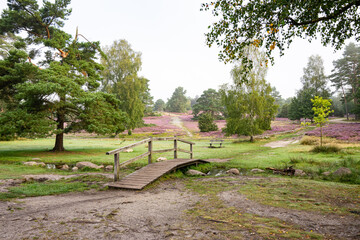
314	83
209	101
249	106
314	79
346	76
321	110
206	122
120	77
178	101
274	24
51	88
159	105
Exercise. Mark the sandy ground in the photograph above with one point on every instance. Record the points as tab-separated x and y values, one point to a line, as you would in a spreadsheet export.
113	214
155	213
282	143
340	226
178	122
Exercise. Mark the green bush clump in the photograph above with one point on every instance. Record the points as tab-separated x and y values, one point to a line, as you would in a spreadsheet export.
326	149
206	123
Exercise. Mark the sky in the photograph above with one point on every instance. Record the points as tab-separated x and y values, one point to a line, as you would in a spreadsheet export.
171	37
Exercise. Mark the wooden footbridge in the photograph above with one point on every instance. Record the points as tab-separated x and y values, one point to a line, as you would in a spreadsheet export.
148	174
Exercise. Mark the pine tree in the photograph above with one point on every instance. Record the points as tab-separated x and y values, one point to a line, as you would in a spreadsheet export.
55	92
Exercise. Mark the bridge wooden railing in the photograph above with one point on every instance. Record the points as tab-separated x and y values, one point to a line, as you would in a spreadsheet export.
149	153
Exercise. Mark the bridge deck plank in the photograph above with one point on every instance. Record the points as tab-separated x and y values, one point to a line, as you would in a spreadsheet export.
148	174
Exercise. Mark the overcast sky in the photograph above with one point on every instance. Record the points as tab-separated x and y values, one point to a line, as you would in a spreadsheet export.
170	36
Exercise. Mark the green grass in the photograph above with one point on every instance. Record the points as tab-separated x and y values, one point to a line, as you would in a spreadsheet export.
244	154
33	189
214	213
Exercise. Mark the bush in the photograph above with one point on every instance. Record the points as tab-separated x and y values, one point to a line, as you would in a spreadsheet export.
206	123
309	140
326	149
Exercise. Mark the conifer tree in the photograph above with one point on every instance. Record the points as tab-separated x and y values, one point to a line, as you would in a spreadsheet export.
52	87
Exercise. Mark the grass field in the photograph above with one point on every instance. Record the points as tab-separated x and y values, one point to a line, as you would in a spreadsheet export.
244	155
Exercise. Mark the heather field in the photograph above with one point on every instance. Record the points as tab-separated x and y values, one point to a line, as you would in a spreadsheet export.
164	126
340	131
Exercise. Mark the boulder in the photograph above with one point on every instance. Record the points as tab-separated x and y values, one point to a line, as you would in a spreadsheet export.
101	166
193	172
233	171
109	168
256	170
65	167
74	169
299	172
128	150
342	171
32	163
326	173
87	164
161	159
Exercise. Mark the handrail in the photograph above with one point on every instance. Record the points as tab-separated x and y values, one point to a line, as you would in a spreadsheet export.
149	153
127	147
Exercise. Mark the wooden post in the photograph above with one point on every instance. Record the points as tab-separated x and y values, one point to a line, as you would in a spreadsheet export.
191	150
150	150
116	166
175	147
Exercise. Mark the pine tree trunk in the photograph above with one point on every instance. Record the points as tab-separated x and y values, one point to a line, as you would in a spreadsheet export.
59	142
345	101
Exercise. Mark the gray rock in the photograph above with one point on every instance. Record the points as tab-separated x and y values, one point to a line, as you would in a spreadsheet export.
233	171
299	172
87	164
65	167
128	150
326	173
109	168
161	159
74	169
256	170
32	163
193	172
342	171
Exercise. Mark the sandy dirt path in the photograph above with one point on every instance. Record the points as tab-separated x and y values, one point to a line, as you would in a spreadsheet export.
113	214
178	122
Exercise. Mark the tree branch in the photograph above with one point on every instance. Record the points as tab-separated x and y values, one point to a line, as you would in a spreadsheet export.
331	16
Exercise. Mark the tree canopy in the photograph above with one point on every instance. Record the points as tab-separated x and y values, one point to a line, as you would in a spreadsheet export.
346	76
209	101
314	83
249	106
120	77
49	79
159	105
275	24
178	101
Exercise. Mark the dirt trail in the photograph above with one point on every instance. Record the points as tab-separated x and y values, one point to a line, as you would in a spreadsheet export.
96	215
282	143
331	224
178	122
156	213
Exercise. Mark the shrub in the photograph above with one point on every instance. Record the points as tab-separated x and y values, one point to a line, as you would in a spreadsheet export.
206	123
326	149
308	140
